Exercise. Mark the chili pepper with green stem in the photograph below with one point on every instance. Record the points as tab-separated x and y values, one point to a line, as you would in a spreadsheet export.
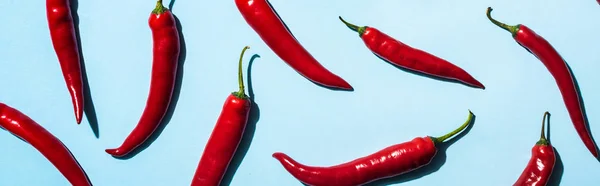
388	162
165	51
540	166
407	57
226	136
559	69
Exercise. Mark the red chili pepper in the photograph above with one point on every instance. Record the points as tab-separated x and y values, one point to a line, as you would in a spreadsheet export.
264	20
407	57
558	67
541	164
51	147
391	161
226	136
62	32
164	68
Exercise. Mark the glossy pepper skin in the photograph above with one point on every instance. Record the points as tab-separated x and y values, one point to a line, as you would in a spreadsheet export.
557	66
262	18
540	166
164	69
64	40
51	147
226	136
391	161
407	57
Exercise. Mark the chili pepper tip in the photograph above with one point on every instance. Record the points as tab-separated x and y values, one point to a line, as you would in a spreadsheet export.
510	28
114	152
359	29
443	138
543	140
241	93
159	8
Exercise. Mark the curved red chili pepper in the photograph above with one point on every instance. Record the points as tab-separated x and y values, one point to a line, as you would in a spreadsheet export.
51	147
226	136
164	68
263	19
558	67
391	161
405	56
540	166
62	32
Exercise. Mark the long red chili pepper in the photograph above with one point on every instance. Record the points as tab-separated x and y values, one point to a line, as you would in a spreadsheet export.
541	164
62	32
391	161
226	136
164	68
51	147
558	67
263	19
407	57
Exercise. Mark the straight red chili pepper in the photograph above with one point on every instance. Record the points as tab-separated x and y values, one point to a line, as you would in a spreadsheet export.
558	67
226	136
20	125
166	49
64	40
407	57
266	23
391	161
540	166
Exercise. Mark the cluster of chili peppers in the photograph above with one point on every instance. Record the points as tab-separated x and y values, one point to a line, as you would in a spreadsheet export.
230	126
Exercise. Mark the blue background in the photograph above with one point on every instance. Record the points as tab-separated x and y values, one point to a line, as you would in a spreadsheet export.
316	126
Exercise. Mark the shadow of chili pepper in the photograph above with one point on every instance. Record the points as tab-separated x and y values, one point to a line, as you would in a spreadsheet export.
557	173
174	97
559	168
88	107
253	118
438	161
171	5
423	74
587	122
290	31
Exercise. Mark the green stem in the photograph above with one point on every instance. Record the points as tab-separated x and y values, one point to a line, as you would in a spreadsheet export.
510	28
242	92
359	29
443	138
543	140
159	8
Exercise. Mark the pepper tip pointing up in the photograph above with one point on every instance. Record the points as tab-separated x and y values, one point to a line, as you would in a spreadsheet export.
359	29
159	8
543	140
443	138
510	28
242	92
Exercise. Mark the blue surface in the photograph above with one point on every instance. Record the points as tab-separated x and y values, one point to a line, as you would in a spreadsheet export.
316	126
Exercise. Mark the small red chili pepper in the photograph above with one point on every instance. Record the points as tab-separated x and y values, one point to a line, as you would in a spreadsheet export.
51	147
264	20
391	161
226	136
540	166
166	47
62	33
407	57
558	67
